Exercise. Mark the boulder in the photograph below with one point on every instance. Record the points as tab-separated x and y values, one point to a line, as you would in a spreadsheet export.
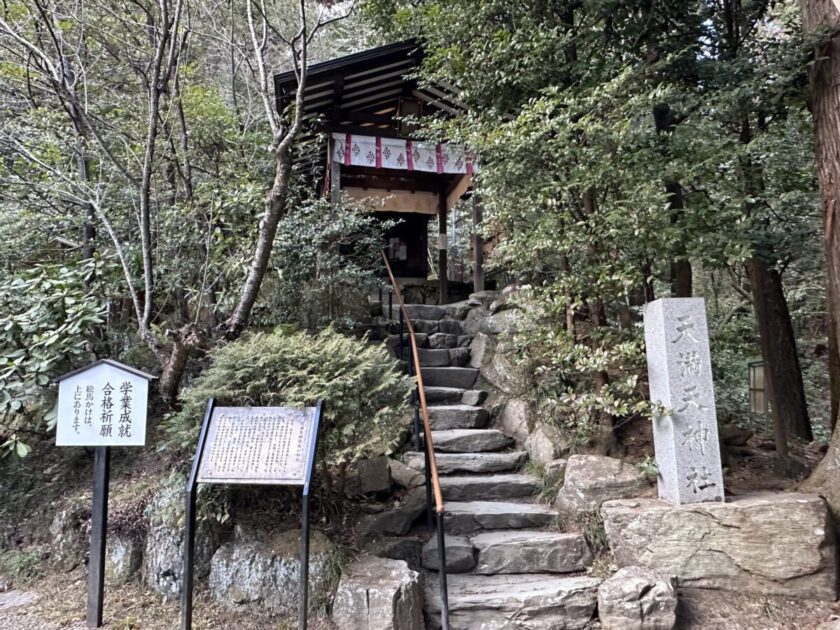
374	475
123	557
484	298
481	350
502	322
406	548
163	552
458	310
395	521
514	419
637	598
379	594
405	476
502	372
592	479
546	443
555	471
460	556
767	544
69	534
264	569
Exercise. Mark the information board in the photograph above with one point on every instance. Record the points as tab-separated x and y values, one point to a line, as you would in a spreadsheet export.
104	404
259	445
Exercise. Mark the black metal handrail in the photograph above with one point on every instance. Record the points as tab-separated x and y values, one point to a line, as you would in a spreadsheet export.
423	434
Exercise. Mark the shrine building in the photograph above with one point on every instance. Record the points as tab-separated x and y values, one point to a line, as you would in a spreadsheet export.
356	130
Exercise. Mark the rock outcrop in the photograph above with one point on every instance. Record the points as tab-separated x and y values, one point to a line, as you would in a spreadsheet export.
592	479
774	544
264	569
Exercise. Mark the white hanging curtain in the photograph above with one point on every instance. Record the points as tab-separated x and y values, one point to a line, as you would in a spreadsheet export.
396	153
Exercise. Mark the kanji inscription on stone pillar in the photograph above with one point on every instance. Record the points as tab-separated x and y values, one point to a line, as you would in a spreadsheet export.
680	374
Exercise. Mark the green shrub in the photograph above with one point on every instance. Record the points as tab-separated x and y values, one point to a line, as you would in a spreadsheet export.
365	397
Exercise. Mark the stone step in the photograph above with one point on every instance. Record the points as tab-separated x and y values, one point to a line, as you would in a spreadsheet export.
461	377
449	463
415	311
438	395
469	440
472	516
444	340
460	554
433	358
489	487
444	417
437	341
432	326
530	552
535	601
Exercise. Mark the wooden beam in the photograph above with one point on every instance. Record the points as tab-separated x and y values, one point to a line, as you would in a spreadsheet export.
389	183
335	178
478	245
457	188
443	268
394	200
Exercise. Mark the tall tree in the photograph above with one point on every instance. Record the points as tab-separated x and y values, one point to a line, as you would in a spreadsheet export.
822	19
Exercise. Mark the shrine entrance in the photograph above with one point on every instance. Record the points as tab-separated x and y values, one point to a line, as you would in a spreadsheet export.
361	112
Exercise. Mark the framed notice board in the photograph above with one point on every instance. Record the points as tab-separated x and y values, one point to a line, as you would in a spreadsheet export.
253	446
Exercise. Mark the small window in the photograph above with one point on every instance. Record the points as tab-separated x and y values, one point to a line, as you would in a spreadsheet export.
759	399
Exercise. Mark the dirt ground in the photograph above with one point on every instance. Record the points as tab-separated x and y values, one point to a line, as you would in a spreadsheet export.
61	606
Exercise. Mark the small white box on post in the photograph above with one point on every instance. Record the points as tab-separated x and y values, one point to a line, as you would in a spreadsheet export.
680	376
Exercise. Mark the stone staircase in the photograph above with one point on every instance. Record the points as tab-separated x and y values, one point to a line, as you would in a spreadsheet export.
507	565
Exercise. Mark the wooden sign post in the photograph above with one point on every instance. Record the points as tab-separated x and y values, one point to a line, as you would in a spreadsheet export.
102	405
256	446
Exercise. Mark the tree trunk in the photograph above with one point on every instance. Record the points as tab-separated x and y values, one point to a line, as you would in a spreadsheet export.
275	205
778	349
825	107
681	278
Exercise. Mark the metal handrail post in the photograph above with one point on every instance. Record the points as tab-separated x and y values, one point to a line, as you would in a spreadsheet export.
444	591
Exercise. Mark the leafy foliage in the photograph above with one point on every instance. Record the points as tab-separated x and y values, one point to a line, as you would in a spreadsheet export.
587	116
46	319
365	397
328	259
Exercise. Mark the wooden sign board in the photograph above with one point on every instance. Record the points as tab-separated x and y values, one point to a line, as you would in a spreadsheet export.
259	445
103	404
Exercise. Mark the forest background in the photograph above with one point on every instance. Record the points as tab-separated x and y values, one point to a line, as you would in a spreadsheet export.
153	208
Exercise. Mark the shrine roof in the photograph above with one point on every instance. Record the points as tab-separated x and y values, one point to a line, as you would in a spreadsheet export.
364	88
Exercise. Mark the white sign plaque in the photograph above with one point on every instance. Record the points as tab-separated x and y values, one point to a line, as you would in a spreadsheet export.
104	404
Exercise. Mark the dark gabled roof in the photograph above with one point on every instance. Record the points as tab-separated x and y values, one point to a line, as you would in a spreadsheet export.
112	363
363	82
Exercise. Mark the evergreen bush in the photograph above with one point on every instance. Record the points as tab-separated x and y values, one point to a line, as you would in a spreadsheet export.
365	396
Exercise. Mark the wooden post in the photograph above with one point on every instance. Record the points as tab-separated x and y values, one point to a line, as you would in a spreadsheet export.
478	246
443	268
98	529
335	179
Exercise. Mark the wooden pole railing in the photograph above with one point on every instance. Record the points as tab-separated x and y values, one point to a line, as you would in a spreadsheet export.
432	477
